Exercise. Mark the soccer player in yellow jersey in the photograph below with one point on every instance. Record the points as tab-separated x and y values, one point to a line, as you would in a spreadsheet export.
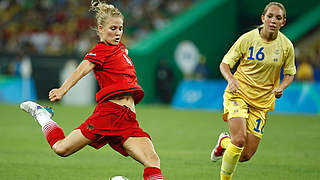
253	88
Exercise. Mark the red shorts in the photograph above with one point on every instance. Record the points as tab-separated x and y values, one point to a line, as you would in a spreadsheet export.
111	124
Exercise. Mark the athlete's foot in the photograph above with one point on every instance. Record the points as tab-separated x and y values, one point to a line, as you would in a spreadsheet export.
218	151
35	109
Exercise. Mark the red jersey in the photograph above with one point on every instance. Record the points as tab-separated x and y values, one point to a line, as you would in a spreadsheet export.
114	71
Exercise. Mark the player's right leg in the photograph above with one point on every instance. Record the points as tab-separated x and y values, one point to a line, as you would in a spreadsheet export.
60	144
238	133
232	154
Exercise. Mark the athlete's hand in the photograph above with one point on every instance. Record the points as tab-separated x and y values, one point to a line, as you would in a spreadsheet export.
56	94
278	91
233	85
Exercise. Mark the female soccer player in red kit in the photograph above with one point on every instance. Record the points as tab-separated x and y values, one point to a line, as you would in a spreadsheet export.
113	121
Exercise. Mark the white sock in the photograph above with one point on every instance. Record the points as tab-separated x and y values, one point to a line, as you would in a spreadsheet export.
43	119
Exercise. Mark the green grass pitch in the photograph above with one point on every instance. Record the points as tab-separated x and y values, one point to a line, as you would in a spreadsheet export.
183	139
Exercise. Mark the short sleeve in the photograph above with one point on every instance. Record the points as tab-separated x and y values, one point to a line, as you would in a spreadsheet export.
96	56
289	67
234	53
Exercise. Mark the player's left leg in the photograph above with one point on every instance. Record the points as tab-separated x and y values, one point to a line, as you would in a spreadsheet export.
142	150
255	127
71	144
252	143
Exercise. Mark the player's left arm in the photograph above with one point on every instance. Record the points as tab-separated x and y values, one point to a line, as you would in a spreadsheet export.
289	70
287	80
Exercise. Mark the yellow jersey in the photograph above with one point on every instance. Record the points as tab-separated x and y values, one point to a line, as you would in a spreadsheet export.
260	65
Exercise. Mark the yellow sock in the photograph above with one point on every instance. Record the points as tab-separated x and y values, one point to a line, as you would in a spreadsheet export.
229	161
225	142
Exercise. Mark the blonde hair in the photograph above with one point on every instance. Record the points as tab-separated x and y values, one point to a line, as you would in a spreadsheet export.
103	11
275	4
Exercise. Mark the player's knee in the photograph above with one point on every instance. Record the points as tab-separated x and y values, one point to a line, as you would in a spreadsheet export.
239	141
61	151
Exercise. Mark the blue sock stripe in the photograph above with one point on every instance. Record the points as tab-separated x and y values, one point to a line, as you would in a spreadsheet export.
49	110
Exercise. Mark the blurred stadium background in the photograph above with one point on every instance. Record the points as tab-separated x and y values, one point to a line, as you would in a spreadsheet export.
176	47
170	42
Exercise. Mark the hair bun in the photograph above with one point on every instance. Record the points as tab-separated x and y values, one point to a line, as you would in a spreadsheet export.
110	6
94	3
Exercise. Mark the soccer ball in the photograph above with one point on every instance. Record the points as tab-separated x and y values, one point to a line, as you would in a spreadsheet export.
118	178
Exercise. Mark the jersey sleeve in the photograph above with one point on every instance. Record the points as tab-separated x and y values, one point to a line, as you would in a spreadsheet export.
96	56
235	53
289	67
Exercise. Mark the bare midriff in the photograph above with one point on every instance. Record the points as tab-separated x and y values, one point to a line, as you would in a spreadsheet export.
126	101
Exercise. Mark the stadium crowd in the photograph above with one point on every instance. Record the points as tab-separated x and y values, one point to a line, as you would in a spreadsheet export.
308	57
62	27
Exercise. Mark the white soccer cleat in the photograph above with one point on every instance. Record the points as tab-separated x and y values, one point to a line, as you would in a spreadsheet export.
35	109
218	151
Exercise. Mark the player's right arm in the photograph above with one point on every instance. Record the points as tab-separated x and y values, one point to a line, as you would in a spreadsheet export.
83	69
229	60
232	81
